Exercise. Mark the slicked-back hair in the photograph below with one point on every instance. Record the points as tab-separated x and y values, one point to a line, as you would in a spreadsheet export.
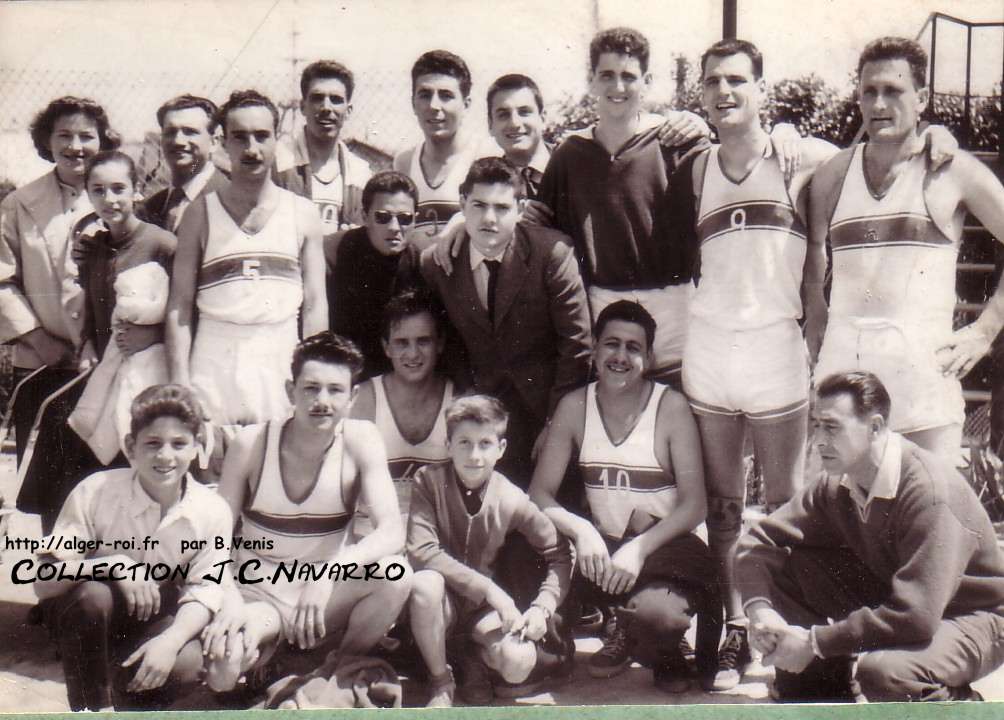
897	48
324	70
329	348
734	46
626	311
159	401
514	81
44	122
390	182
442	62
243	99
491	171
186	102
480	409
620	40
111	156
408	303
865	390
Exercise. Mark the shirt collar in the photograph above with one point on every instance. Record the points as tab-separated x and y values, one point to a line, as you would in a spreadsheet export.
68	193
301	156
195	185
140	501
462	489
477	258
887	476
540	158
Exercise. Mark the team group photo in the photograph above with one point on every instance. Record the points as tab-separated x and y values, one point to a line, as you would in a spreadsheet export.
400	355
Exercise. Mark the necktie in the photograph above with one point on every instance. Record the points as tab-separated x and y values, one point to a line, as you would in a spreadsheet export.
172	216
493	281
531	181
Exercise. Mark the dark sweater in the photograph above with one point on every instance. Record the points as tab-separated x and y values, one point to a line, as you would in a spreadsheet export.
933	544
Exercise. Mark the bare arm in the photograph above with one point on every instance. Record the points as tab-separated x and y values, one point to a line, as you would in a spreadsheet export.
822	200
312	264
244	454
364	406
181	301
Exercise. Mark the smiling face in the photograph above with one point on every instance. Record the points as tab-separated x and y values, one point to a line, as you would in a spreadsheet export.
490	216
321	394
413	347
250	141
474	449
619	85
439	105
387	221
111	192
621	354
890	103
74	140
515	122
161	454
186	141
732	96
325	108
843	439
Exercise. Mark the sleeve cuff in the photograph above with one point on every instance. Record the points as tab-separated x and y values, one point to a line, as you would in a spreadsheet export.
815	643
758	598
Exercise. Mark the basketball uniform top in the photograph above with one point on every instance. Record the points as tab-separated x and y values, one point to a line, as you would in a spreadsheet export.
311	530
752	245
627	489
890	260
251	279
436	205
404	458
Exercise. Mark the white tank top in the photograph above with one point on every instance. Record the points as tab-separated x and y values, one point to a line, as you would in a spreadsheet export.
404	458
753	246
311	530
626	487
251	279
436	205
890	261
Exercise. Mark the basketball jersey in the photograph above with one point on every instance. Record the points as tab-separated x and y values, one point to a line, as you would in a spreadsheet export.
251	279
626	488
889	258
328	197
753	246
311	530
436	205
404	458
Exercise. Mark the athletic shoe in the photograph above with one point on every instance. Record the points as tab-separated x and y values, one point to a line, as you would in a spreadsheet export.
672	673
442	690
591	619
615	655
733	659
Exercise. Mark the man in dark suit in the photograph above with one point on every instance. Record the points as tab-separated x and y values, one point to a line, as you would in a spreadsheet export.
187	137
517	301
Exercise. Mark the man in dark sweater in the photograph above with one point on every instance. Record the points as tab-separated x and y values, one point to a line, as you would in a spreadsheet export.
893	546
372	263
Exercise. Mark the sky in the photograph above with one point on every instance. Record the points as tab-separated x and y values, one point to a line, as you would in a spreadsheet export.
133	55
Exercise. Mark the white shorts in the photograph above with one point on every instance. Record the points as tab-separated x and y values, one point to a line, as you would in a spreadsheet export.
669	306
241	370
761	373
903	356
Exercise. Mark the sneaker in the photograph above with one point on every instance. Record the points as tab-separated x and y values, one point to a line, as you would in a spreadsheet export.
672	673
441	690
475	682
615	655
733	659
591	619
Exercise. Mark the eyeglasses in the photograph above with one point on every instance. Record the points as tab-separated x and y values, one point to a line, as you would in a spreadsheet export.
403	219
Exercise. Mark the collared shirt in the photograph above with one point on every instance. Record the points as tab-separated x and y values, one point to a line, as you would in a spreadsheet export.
190	190
887	478
480	272
112	506
75	202
533	173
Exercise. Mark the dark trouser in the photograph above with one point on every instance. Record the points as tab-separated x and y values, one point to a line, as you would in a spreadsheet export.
95	634
524	426
818	584
677	581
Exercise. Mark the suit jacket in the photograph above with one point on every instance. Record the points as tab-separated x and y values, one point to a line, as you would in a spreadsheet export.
154	210
38	278
541	341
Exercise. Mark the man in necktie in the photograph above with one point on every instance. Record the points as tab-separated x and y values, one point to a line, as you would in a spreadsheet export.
516	121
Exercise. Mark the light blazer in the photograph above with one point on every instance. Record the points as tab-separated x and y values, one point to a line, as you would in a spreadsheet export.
541	341
38	278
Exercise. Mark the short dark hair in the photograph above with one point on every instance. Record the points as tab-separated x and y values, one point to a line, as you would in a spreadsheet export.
442	62
865	389
620	40
480	409
735	46
109	156
897	48
186	102
324	70
409	302
514	81
326	347
388	181
492	170
246	98
44	122
626	311
159	401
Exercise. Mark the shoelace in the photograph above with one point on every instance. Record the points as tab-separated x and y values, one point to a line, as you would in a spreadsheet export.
615	644
728	656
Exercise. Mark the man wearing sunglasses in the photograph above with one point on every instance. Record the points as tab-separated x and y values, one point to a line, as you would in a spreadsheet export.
372	263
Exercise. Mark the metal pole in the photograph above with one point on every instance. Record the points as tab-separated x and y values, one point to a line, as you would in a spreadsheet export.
967	135
730	21
931	114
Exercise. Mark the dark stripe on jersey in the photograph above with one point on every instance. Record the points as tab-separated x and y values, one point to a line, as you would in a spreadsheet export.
638	479
299	525
405	468
436	212
904	229
249	267
761	215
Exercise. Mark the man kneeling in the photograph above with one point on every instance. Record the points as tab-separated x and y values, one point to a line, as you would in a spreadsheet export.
891	544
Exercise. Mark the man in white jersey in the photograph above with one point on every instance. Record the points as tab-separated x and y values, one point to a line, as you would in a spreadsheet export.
894	227
251	263
640	455
295	483
407	403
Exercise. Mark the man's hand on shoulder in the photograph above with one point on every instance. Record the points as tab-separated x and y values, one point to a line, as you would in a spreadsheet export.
682	127
537	213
